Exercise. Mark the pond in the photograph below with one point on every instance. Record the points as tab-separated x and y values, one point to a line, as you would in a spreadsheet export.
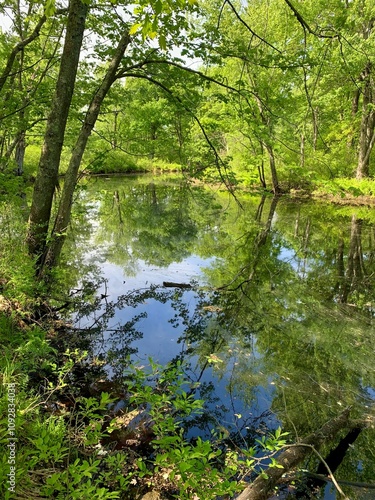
270	303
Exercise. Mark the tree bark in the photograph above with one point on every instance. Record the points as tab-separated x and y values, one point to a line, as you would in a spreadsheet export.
367	129
65	206
261	488
20	153
46	180
274	178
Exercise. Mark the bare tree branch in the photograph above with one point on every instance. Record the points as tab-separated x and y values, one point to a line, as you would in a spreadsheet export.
242	93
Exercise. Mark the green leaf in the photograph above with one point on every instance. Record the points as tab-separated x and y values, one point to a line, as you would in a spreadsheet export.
50	8
158	7
134	28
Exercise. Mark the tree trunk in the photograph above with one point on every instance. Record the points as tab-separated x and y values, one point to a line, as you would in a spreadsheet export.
261	238
315	127
153	130
63	216
13	145
115	129
259	212
267	122
355	102
262	176
20	153
367	130
274	179
302	150
46	180
116	197
339	287
355	271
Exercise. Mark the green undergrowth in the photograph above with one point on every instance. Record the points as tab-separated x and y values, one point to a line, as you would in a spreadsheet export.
58	443
346	187
114	161
17	274
118	162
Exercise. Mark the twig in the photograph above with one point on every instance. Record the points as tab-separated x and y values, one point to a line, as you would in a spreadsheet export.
321	477
332	477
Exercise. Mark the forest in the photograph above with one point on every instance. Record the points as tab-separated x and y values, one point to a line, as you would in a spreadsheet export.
236	137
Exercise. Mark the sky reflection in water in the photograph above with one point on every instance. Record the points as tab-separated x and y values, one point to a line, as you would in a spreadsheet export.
296	331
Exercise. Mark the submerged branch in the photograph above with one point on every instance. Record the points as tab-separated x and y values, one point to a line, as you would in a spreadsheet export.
326	479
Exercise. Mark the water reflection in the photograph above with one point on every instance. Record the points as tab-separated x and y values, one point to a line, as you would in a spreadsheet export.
279	323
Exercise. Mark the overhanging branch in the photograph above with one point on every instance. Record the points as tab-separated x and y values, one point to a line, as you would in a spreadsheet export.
242	21
304	23
125	72
218	161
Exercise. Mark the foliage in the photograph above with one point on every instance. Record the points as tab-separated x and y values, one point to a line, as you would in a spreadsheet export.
32	155
278	99
114	162
118	162
285	98
60	452
345	186
16	266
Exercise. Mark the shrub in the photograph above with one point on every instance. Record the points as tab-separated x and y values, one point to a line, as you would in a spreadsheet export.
114	161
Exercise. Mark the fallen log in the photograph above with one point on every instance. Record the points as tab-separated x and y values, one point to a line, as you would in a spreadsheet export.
261	488
171	284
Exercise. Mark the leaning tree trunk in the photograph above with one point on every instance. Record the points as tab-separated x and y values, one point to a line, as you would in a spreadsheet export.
367	130
261	488
46	180
274	178
63	216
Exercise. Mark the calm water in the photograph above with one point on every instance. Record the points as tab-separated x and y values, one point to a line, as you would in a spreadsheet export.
282	300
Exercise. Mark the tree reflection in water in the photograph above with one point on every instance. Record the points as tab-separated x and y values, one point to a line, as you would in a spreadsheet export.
279	326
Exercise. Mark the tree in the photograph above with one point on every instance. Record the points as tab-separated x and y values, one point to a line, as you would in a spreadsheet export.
343	85
49	163
257	59
153	125
46	180
24	85
65	205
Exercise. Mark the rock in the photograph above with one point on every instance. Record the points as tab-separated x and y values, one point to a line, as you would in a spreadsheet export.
152	495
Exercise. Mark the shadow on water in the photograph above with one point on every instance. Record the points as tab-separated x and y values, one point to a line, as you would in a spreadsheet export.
277	327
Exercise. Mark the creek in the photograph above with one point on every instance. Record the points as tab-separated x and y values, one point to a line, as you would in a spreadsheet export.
278	325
